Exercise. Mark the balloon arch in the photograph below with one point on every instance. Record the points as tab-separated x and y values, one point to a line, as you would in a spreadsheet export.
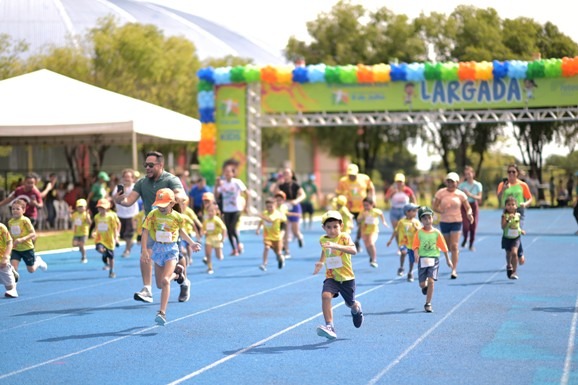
235	103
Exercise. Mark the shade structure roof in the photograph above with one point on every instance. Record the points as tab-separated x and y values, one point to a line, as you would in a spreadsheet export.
44	107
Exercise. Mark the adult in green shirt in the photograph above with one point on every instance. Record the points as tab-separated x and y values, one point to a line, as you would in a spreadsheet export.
155	179
307	208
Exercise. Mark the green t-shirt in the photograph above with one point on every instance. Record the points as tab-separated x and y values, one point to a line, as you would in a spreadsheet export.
310	189
147	188
512	229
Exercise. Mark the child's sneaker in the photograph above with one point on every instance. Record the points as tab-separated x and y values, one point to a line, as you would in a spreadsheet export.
427	307
280	262
126	254
263	267
112	274
180	273
210	271
400	271
161	319
513	276
409	277
12	293
326	331
357	318
373	264
40	263
83	260
424	290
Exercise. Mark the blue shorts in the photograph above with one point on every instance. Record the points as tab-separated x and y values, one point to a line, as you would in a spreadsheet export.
106	253
295	209
26	255
450	227
509	243
163	252
409	252
307	208
345	288
395	214
429	271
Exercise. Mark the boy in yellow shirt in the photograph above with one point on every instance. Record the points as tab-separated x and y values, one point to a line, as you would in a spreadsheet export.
23	236
341	207
107	229
81	222
405	231
271	220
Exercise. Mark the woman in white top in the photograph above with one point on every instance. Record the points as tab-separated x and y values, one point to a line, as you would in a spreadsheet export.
127	214
235	198
473	190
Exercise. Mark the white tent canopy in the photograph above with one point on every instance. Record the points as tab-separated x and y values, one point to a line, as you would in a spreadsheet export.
44	107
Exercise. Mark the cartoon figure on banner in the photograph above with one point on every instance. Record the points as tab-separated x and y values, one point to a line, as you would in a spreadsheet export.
409	93
340	97
529	85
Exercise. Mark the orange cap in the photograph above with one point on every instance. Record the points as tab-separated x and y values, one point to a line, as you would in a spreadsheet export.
165	197
104	203
208	196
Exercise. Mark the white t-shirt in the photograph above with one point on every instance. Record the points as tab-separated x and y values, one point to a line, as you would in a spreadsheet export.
126	212
231	193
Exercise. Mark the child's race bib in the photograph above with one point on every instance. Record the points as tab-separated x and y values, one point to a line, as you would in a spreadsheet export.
164	236
427	262
210	226
334	262
513	233
15	230
370	220
77	222
102	226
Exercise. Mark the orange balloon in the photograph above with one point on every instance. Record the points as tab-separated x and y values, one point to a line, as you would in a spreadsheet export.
467	71
364	74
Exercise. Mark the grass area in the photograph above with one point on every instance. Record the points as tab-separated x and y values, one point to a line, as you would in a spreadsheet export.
52	240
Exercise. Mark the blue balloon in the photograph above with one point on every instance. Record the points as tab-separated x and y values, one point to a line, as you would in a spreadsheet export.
206	99
223	75
415	72
316	73
206	74
207	115
398	72
517	69
299	75
500	69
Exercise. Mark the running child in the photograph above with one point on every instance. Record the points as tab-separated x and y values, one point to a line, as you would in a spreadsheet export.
164	225
23	237
368	221
81	222
341	207
271	221
427	243
337	247
215	231
7	273
405	231
280	200
107	230
139	219
512	231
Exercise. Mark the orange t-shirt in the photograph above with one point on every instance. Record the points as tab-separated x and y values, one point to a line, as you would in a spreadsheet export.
450	204
355	191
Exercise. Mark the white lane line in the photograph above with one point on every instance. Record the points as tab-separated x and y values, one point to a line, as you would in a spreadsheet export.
422	338
570	349
271	337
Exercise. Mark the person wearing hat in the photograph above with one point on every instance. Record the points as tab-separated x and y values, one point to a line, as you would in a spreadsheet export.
398	195
341	207
81	221
337	248
448	202
427	244
404	232
107	229
162	226
98	191
146	188
355	186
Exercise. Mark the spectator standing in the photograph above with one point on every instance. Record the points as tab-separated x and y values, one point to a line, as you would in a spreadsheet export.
311	194
196	195
30	194
473	190
127	214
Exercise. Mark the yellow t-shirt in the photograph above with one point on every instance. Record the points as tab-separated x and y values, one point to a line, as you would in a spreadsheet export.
272	230
213	226
80	223
107	226
355	191
190	218
337	263
164	228
369	221
347	219
406	229
139	218
5	237
19	228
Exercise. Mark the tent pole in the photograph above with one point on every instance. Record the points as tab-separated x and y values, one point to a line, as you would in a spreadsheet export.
134	153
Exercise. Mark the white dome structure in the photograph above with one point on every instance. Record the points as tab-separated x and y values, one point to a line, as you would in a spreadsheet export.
42	22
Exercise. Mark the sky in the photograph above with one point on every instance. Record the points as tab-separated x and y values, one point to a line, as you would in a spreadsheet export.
272	22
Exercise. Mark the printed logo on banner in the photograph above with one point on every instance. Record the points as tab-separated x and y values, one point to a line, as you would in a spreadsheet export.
229	107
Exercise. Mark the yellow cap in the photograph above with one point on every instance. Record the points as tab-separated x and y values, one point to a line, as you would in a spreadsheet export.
399	177
352	169
81	203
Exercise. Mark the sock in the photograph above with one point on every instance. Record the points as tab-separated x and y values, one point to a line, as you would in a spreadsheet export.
149	288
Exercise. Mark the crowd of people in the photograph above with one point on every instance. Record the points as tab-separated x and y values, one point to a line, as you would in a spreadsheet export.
173	222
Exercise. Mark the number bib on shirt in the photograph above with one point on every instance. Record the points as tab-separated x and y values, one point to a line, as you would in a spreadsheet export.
102	226
15	230
164	236
77	222
427	262
370	220
210	226
334	262
513	233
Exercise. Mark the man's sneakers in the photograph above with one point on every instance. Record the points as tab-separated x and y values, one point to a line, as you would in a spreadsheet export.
410	277
161	318
180	273
12	293
15	273
427	307
40	263
326	331
185	291
357	317
144	295
400	272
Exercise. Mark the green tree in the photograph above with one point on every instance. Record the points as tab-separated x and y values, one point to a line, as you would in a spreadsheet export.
11	63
